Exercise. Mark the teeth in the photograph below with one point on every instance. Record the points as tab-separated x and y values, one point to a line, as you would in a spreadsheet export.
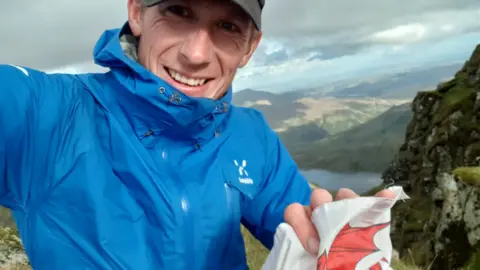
185	80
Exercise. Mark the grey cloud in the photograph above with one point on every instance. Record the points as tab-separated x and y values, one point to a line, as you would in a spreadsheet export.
276	57
52	33
325	29
328	52
284	18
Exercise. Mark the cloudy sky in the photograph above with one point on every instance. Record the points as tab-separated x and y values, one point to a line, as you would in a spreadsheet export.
306	43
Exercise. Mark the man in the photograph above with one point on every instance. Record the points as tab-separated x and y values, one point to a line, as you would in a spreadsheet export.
149	166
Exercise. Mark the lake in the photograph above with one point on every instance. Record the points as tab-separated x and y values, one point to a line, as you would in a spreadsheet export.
359	182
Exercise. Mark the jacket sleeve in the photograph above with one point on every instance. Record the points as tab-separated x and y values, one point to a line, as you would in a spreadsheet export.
21	92
283	184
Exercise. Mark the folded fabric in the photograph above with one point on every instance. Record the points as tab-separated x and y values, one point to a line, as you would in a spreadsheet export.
354	235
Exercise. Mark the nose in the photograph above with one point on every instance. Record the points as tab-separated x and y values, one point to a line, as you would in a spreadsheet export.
197	48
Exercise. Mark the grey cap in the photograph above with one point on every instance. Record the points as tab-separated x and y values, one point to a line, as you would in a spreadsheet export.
252	7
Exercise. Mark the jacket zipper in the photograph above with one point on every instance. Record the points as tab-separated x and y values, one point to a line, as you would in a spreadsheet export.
189	235
228	195
188	239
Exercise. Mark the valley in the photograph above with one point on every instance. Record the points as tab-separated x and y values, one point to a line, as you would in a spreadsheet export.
342	134
350	126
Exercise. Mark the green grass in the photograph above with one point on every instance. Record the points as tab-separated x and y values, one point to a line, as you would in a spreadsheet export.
256	252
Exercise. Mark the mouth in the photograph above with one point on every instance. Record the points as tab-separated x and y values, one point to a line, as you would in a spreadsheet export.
185	80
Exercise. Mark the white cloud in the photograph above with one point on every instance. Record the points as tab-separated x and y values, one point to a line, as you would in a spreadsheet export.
401	34
447	27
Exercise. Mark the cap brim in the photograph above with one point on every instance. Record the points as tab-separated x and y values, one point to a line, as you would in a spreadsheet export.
251	7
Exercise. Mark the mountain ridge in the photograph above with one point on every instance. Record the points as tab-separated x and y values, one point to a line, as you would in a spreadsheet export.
292	109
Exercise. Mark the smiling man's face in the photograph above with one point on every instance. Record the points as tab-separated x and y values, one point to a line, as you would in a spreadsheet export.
195	45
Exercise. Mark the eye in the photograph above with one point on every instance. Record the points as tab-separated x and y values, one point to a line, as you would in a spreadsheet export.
228	26
180	11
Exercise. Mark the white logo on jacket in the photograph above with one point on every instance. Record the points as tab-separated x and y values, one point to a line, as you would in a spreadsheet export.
243	178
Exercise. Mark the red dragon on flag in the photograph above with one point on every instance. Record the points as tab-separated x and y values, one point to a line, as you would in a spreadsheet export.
349	247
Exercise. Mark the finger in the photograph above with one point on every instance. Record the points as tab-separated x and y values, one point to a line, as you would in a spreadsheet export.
297	216
386	193
345	193
319	196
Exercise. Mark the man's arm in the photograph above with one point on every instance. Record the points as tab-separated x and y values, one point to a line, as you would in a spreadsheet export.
17	105
282	185
15	113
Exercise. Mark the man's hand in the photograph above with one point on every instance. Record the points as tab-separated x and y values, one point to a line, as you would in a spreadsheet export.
300	217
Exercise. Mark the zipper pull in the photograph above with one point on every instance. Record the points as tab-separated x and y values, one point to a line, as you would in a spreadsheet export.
148	133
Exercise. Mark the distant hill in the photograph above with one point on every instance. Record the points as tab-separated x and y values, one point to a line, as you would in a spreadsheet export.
277	108
251	95
303	135
340	114
399	85
291	109
366	147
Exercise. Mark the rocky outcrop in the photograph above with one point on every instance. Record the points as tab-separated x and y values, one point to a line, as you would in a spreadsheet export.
438	167
12	255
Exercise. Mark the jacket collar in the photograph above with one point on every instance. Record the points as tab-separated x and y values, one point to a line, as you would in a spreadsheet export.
150	104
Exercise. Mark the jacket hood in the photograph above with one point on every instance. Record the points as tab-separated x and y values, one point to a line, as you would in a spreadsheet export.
149	103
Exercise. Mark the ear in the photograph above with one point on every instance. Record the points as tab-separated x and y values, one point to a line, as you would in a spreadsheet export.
135	12
252	48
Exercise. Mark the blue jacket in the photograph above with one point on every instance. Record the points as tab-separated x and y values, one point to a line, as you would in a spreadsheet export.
121	171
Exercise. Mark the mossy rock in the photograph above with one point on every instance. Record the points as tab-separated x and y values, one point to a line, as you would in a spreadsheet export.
456	251
473	151
469	175
401	265
411	219
473	263
446	86
414	226
11	248
454	99
9	237
457	95
420	253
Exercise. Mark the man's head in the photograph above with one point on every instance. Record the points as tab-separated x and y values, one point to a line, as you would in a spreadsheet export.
195	45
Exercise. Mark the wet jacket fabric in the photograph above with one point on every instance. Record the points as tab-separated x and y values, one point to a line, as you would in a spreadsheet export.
119	170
